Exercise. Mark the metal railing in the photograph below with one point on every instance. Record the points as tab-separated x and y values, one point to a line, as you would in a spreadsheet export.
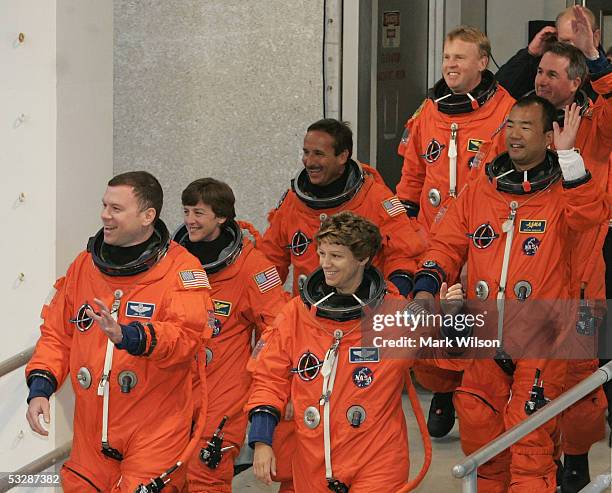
38	465
598	485
46	461
468	468
16	361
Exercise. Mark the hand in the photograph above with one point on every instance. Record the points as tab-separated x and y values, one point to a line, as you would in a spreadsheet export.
566	137
106	322
540	40
451	299
38	406
583	32
264	463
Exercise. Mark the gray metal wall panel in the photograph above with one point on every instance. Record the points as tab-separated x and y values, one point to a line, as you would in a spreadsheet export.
364	85
401	80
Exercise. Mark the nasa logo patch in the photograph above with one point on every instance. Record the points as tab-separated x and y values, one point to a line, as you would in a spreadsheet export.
212	323
363	377
531	245
217	327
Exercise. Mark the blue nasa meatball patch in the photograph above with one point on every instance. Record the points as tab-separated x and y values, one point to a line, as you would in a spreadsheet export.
363	377
531	245
217	326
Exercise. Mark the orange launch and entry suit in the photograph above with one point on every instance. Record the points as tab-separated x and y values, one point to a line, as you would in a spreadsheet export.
149	419
247	295
289	238
289	241
444	127
441	128
536	229
594	142
368	447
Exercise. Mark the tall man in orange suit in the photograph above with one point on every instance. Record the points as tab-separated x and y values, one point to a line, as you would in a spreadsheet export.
514	227
131	358
465	110
329	183
247	295
560	77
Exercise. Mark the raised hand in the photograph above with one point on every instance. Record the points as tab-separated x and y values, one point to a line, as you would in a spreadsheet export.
564	138
583	33
540	40
451	299
106	322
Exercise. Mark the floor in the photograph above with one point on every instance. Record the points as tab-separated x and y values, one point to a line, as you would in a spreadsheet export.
446	453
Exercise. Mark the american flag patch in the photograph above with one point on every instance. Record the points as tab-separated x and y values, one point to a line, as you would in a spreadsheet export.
194	279
393	206
267	279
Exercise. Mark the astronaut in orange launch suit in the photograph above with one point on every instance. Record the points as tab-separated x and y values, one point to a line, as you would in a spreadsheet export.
127	360
350	428
247	295
517	247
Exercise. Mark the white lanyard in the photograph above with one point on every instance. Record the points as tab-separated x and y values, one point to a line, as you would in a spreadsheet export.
330	365
508	228
452	161
103	387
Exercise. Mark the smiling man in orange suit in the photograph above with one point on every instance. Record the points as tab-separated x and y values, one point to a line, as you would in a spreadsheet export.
329	183
560	78
514	228
460	120
125	323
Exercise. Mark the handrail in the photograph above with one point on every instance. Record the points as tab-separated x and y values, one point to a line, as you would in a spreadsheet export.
467	469
16	361
598	485
38	465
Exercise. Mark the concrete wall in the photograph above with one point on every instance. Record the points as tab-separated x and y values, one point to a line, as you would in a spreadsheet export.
222	88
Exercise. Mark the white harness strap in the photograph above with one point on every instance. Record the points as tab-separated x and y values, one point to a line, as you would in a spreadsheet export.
103	387
443	97
330	365
452	161
324	298
508	228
